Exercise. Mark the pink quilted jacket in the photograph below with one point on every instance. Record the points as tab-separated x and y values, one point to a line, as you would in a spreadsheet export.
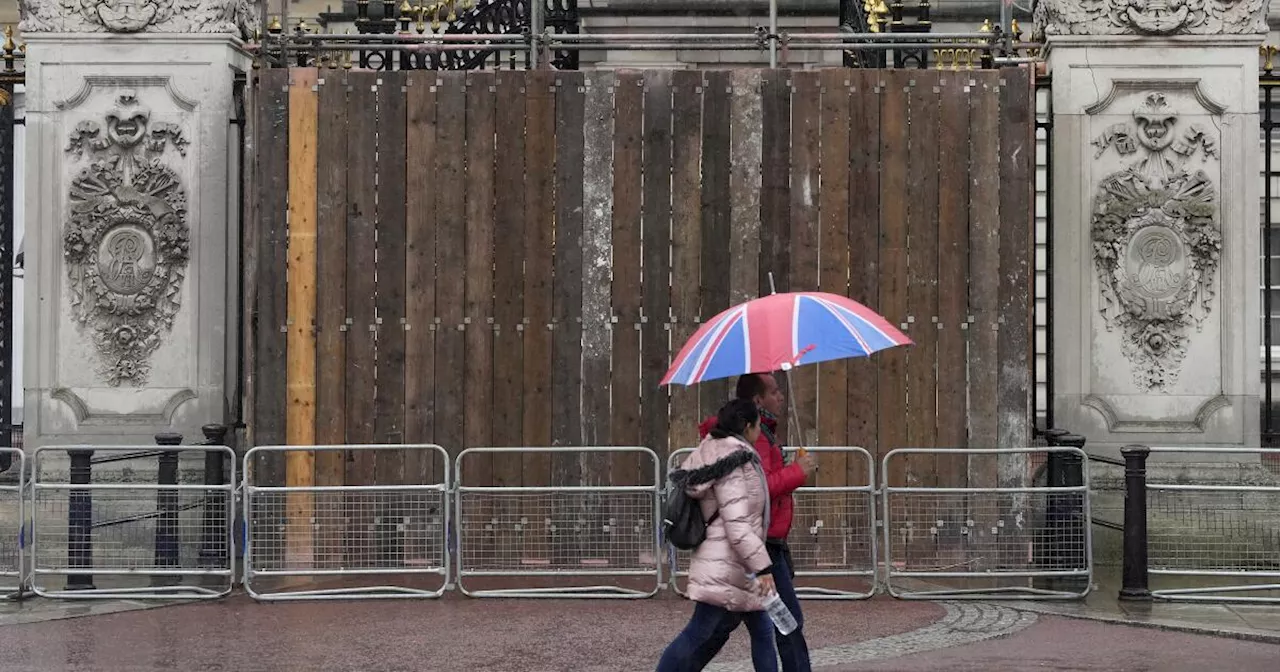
734	544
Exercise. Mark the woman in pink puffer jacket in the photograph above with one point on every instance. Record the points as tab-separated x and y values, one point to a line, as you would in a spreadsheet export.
724	474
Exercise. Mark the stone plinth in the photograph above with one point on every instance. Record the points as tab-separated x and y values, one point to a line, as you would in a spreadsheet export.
1156	193
129	216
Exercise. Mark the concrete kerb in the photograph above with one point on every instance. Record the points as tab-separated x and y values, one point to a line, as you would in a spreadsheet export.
1165	624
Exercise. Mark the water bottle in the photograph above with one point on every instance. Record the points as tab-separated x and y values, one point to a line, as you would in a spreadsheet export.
777	610
779	614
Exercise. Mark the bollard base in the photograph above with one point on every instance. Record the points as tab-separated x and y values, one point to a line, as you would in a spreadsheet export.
1135	595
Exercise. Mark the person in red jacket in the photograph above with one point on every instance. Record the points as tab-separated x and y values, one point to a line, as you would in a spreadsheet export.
782	479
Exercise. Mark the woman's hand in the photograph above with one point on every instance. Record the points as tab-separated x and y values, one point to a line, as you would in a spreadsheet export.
765	585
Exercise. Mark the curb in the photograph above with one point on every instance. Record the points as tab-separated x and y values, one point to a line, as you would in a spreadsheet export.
1250	635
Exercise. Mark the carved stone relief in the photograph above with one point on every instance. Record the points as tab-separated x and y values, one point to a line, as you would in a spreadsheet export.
126	241
1152	17
236	17
1156	237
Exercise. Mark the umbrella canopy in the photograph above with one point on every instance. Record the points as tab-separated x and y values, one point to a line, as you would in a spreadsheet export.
780	331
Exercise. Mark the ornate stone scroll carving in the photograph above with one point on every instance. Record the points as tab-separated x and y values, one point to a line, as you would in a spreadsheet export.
1156	237
1152	17
235	17
126	240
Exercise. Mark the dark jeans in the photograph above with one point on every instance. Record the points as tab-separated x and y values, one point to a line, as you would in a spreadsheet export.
792	648
689	652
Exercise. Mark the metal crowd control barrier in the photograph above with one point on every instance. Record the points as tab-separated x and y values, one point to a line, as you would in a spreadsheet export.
560	534
13	520
123	530
832	536
347	535
1006	530
1226	536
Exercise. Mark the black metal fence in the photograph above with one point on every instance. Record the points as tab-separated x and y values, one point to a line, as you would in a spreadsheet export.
1270	233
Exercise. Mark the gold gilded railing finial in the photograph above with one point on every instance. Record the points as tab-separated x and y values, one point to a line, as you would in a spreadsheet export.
1268	56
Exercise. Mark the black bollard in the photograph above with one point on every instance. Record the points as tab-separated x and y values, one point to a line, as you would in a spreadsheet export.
213	541
1135	584
80	521
167	502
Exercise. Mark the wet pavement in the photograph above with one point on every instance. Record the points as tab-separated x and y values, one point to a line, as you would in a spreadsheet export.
457	633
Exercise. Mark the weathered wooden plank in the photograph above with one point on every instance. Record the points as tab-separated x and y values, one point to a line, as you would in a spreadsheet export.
388	423
1017	191
922	275
864	257
745	147
566	369
893	261
984	246
597	236
627	194
686	240
775	191
391	265
478	290
806	159
331	309
300	367
540	139
566	383
597	244
451	188
656	307
953	281
508	279
361	336
361	230
270	392
716	216
833	205
420	271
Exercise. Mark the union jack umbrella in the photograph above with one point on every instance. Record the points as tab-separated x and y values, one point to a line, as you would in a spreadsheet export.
779	332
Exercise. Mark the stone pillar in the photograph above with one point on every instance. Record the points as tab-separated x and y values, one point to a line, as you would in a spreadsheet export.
130	213
1155	241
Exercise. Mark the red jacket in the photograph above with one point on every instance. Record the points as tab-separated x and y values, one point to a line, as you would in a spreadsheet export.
782	479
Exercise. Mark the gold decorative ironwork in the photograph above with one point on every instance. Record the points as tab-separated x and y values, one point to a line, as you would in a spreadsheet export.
1268	56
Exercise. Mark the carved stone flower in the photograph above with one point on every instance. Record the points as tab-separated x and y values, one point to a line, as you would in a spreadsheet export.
124	335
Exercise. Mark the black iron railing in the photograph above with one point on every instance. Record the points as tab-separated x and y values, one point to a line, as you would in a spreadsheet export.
1268	81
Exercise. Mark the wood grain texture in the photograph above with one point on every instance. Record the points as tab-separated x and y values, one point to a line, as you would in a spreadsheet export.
361	347
864	256
566	369
270	390
656	284
331	309
686	241
953	276
420	277
833	208
922	274
508	279
716	216
451	249
627	244
1017	331
300	371
597	243
893	262
540	204
806	161
775	193
984	251
477	313
389	414
745	148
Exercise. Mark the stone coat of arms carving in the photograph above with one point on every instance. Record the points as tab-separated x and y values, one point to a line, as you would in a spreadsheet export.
1156	238
126	241
1151	17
